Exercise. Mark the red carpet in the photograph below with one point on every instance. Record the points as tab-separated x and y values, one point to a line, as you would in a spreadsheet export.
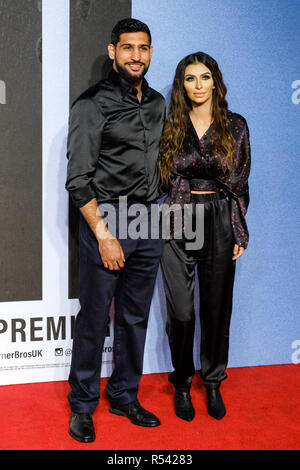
263	413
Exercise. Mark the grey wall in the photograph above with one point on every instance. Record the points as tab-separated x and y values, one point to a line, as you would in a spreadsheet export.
20	150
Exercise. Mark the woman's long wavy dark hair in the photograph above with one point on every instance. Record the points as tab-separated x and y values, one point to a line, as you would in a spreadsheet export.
222	141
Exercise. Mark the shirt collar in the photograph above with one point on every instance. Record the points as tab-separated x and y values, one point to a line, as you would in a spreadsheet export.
123	85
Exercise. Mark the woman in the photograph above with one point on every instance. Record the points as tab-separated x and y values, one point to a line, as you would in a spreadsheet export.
204	159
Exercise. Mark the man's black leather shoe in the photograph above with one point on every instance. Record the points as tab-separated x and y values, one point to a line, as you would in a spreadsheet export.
183	404
215	404
82	427
136	414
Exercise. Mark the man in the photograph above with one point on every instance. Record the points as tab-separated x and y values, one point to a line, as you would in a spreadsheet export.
113	142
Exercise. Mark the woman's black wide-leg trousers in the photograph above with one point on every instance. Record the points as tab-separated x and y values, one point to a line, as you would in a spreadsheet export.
216	271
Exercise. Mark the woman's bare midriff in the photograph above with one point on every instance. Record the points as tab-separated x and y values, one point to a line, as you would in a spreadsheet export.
202	192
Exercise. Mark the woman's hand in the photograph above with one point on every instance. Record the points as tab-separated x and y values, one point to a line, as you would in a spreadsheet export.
237	251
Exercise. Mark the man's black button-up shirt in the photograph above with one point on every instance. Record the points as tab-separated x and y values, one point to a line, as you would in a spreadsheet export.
113	143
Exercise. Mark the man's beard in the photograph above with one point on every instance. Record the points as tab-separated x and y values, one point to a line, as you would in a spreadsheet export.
127	75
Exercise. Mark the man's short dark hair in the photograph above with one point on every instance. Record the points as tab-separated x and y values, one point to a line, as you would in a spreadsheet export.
129	25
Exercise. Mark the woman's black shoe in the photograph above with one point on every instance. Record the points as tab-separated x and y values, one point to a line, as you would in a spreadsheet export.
183	404
82	427
215	404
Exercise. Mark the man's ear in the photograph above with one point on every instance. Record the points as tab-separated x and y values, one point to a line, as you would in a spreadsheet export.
111	51
151	51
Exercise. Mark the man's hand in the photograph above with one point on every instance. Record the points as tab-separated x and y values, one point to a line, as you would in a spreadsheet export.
111	253
110	249
237	251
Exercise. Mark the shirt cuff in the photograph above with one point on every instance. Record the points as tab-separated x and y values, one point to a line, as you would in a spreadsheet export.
82	196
